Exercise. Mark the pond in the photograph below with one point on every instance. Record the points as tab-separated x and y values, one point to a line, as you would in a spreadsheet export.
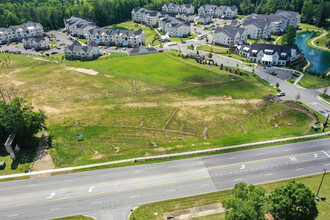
319	58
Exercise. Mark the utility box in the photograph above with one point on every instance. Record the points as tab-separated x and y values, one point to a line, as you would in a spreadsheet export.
316	127
2	165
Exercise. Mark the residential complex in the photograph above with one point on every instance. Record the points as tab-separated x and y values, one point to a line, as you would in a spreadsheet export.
270	54
204	19
262	26
78	26
77	51
229	35
218	11
172	8
116	37
36	43
174	27
18	32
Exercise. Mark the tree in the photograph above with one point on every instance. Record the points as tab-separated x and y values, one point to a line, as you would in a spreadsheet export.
248	203
289	37
325	90
298	97
293	201
277	84
308	11
19	118
209	55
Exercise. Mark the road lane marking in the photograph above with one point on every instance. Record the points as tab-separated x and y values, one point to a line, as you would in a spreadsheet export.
137	196
94	203
31	185
240	179
299	169
102	193
326	153
167	174
230	158
315	155
269	174
327	164
293	158
205	185
260	153
171	190
138	171
91	189
10	216
51	196
54	209
242	167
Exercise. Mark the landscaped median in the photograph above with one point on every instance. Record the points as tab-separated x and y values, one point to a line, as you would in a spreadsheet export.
169	156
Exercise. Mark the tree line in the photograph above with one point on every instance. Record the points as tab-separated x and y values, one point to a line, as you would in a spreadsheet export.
50	13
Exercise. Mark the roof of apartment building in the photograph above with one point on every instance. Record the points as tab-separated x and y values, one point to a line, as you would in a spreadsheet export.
270	49
78	47
258	20
171	4
207	7
79	22
287	13
28	26
113	31
174	22
229	30
142	49
141	9
38	40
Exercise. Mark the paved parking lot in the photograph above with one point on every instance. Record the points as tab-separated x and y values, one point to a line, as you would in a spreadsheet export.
283	74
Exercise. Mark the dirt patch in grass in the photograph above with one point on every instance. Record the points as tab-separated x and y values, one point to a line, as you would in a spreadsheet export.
83	70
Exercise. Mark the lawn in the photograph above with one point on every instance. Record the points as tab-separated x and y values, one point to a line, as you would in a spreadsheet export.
236	57
129	101
213	48
302	27
261	41
147	211
325	97
149	34
179	39
314	82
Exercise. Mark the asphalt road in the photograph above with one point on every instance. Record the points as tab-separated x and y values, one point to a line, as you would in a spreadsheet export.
112	193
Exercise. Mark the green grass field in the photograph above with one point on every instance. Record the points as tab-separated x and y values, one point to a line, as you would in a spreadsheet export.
325	97
149	34
314	82
213	48
146	212
129	101
75	217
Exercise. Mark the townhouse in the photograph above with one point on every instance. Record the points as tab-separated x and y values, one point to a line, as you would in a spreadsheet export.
145	16
262	26
172	8
36	43
18	32
174	27
204	19
270	54
185	17
218	11
79	27
116	37
77	51
229	35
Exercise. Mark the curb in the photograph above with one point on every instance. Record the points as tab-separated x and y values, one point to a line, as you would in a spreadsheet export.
167	156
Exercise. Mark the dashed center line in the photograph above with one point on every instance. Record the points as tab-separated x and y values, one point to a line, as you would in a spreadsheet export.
93	203
299	169
171	190
9	216
137	196
55	209
238	179
269	174
205	184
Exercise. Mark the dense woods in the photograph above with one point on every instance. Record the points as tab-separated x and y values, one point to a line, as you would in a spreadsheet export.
50	13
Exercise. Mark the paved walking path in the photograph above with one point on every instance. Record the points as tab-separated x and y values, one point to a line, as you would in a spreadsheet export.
322	48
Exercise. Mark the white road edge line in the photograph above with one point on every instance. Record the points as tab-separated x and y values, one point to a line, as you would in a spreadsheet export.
326	153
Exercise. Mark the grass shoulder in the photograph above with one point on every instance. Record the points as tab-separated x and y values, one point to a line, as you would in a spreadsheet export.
147	211
75	217
325	97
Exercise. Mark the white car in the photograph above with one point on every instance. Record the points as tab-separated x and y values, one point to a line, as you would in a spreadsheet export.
280	94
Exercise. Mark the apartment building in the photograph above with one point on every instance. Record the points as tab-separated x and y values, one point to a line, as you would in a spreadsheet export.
218	11
229	35
79	27
77	51
172	8
36	43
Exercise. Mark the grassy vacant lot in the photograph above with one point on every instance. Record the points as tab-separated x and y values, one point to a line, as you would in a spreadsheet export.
149	34
314	82
147	211
129	102
213	48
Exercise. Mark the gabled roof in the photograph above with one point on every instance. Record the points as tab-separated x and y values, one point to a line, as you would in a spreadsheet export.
207	7
141	48
270	49
78	47
229	30
288	13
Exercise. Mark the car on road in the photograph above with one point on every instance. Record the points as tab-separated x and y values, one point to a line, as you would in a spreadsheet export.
160	51
183	42
116	48
124	48
280	94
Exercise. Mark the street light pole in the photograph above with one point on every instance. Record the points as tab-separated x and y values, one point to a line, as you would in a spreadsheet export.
325	124
317	194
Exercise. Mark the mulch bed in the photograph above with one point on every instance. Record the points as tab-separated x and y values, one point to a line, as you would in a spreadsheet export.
302	109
